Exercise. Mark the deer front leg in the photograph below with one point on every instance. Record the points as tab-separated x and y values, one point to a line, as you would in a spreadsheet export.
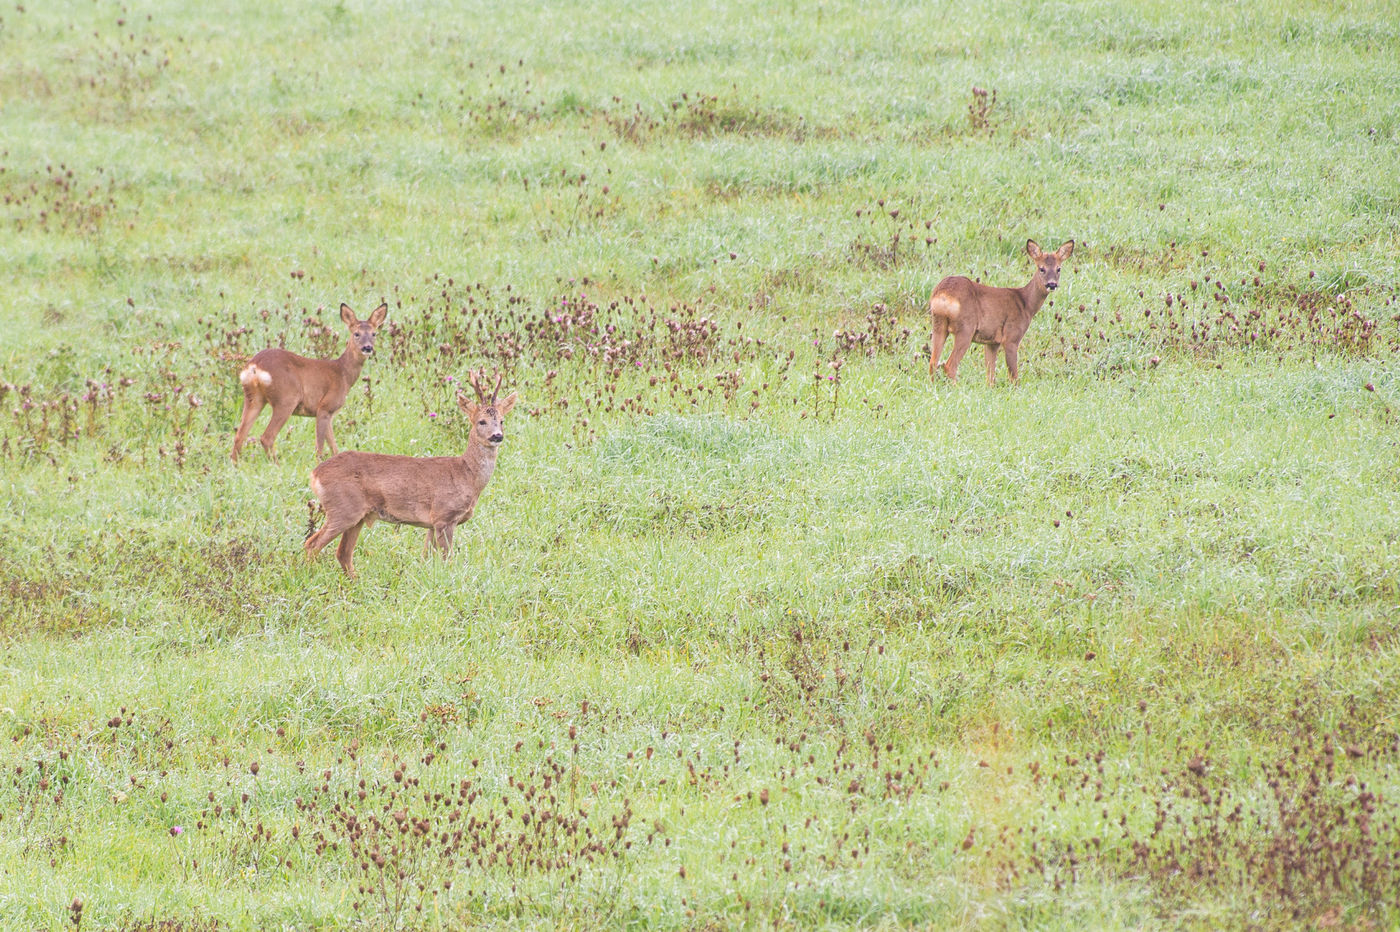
989	354
449	530
441	536
1012	353
325	435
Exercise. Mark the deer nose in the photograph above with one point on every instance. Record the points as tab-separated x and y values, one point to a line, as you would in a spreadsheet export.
367	350
1052	285
497	437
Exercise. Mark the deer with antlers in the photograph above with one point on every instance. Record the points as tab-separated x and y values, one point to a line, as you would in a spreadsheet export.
435	492
295	385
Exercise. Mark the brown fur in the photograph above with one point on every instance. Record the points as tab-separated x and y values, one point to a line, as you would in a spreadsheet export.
434	492
296	385
995	317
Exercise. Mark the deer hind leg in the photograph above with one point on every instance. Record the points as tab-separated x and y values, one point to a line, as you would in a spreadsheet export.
346	551
253	403
989	353
280	413
325	535
961	343
940	333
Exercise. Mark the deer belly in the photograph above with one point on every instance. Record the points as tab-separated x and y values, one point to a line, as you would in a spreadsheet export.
395	507
423	516
991	331
983	327
395	516
310	407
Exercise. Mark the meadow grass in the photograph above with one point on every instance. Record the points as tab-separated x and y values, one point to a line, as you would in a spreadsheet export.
754	625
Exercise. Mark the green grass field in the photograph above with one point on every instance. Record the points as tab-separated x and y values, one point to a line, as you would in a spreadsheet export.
754	625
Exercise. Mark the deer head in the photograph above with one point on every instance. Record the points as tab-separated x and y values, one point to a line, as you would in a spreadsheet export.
1048	263
362	331
486	415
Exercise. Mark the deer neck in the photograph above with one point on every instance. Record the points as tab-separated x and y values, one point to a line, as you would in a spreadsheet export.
1033	295
351	362
480	458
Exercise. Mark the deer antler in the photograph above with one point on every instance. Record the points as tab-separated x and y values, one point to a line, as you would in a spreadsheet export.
474	380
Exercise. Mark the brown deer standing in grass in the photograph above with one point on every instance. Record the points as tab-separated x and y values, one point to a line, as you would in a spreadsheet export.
293	384
995	317
435	492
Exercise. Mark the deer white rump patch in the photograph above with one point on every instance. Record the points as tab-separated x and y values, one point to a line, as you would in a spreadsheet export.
947	305
253	372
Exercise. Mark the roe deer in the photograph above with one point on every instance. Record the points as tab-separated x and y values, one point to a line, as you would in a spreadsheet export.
434	492
977	313
293	384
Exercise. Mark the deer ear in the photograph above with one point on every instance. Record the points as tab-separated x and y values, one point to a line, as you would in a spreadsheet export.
1033	250
467	405
1065	250
348	315
505	406
376	319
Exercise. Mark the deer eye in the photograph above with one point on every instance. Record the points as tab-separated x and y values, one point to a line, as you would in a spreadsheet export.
482	422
